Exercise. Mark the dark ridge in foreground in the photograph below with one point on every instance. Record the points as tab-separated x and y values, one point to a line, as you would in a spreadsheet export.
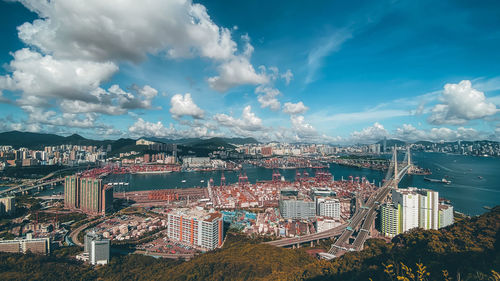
469	248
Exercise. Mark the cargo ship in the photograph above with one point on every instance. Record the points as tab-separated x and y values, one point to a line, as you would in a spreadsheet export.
443	180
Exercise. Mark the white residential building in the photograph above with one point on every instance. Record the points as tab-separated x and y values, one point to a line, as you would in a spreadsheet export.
293	208
413	208
328	207
391	217
408	199
428	209
445	215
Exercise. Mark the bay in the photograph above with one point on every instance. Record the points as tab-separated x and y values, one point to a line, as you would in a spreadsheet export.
475	180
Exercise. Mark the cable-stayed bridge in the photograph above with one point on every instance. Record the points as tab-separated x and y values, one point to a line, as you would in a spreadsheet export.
361	223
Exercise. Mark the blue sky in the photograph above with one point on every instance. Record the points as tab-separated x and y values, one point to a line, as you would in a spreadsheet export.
329	72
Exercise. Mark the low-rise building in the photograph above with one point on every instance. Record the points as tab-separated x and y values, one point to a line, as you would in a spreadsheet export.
24	245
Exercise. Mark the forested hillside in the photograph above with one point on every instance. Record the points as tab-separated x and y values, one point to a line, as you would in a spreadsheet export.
469	249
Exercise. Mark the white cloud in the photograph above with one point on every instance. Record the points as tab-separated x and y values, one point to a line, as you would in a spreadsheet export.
410	133
235	72
185	106
74	85
39	117
114	101
288	76
267	97
249	122
45	77
370	134
295	108
461	103
128	30
149	129
301	128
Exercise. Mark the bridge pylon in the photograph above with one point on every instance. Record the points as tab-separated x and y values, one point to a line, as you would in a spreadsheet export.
395	160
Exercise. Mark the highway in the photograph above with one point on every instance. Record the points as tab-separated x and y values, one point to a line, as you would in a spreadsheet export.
21	189
365	217
308	238
358	218
29	185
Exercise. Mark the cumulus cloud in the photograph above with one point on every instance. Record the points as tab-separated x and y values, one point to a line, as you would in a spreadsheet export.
46	77
249	122
149	129
267	97
301	128
101	31
461	103
79	46
370	134
295	108
235	72
184	106
114	101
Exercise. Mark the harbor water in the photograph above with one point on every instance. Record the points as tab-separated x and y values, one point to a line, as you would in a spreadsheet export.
475	181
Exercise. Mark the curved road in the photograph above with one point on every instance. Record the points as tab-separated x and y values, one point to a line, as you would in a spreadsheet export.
74	234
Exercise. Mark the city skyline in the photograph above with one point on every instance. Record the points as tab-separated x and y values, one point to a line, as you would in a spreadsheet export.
329	72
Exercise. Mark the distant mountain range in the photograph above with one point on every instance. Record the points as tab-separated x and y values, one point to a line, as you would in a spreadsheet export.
392	142
191	141
39	140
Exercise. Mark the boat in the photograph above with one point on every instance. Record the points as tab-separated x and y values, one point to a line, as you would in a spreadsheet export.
487	207
183	180
202	181
479	177
443	180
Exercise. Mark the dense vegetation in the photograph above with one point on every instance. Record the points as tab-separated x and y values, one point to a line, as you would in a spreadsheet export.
470	248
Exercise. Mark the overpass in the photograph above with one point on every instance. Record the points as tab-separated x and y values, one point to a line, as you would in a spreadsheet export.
37	183
361	221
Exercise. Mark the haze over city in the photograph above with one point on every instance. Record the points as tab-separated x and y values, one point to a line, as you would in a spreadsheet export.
331	72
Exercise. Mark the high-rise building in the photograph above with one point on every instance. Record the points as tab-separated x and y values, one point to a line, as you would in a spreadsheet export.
98	248
94	197
7	205
408	200
293	208
196	227
391	217
72	192
428	209
445	215
87	194
413	208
